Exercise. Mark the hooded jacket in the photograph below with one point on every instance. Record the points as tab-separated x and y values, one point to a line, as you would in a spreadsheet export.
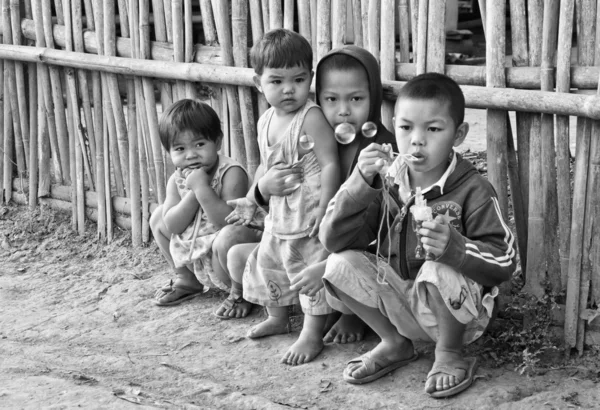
481	245
368	61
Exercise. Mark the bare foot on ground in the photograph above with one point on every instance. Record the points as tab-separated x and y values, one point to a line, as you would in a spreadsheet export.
442	381
234	308
272	326
348	329
306	348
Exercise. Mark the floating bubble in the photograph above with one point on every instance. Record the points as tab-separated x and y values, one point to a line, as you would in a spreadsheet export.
369	129
306	142
345	133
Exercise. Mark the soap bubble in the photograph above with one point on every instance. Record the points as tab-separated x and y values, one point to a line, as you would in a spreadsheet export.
345	133
369	129
306	142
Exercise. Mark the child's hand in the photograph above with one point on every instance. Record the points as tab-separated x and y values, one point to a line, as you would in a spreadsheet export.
435	236
243	212
318	215
309	281
368	164
280	180
196	178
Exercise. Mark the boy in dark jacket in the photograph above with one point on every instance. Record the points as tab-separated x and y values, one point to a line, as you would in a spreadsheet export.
448	298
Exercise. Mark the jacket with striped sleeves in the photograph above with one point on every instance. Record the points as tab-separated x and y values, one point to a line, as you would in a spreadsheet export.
481	245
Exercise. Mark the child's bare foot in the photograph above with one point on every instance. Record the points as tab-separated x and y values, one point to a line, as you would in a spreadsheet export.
449	370
387	356
274	325
348	329
306	348
233	308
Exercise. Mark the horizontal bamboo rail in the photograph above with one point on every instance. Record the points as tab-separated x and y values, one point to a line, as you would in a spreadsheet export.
475	97
582	77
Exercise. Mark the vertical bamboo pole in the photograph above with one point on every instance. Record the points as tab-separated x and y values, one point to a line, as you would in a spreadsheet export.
593	189
150	103
364	17
8	145
144	180
414	26
160	33
303	20
15	17
436	36
404	31
257	33
168	20
3	152
422	37
314	20
548	157
536	256
57	98
178	44
563	151
373	32
43	149
96	24
520	58
338	26
208	22
357	23
75	161
275	14
33	126
238	149
388	56
266	11
288	14
119	139
323	28
240	56
190	87
585	38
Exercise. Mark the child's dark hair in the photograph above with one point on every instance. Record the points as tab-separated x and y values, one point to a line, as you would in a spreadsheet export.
192	115
440	87
339	62
281	48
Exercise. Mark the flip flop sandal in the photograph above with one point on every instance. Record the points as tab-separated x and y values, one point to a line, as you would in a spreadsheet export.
469	365
375	368
188	293
229	304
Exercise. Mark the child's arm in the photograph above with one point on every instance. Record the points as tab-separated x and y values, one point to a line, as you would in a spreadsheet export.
178	213
485	254
325	150
235	185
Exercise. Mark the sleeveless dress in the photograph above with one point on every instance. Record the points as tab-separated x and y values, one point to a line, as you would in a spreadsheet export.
181	244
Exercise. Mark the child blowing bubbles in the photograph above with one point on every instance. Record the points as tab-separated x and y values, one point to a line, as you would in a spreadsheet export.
447	300
186	227
282	61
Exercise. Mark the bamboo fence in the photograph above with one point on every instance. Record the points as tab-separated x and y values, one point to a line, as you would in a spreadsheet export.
83	82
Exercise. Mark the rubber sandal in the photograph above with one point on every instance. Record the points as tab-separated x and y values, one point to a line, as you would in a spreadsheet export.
230	303
376	369
469	365
188	293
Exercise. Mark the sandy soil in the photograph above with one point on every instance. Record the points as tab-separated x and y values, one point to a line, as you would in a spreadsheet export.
78	328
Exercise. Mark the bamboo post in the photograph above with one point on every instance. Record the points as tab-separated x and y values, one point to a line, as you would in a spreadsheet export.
208	23
288	14
582	159
168	20
364	18
236	137
8	145
373	32
403	32
414	26
160	33
119	142
548	154
323	28
91	126
563	151
75	161
144	177
421	57
436	36
356	22
275	14
338	25
134	174
99	135
190	88
314	21
15	17
388	52
178	43
536	256
150	103
266	11
257	33
11	77
57	99
594	253
240	56
3	153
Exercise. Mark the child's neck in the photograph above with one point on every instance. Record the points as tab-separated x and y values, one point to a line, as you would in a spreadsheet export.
279	124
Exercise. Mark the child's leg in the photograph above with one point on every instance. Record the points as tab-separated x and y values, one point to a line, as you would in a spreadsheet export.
228	237
449	344
276	323
309	343
186	283
348	328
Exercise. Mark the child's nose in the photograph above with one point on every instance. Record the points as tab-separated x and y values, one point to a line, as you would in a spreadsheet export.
344	110
417	138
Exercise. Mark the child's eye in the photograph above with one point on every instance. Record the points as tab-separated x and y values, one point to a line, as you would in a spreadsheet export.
357	99
330	99
300	80
276	81
434	129
404	127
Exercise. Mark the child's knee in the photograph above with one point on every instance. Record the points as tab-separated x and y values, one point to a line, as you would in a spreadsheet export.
156	220
224	240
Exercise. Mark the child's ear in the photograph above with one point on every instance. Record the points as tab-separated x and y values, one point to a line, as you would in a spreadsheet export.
461	133
219	142
256	79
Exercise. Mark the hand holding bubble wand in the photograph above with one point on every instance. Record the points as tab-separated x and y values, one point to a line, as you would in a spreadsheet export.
421	213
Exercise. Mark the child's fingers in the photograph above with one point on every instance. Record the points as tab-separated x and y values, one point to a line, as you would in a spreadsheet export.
313	291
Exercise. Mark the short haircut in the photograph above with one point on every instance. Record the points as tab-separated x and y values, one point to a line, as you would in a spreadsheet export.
339	62
188	115
439	87
281	48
